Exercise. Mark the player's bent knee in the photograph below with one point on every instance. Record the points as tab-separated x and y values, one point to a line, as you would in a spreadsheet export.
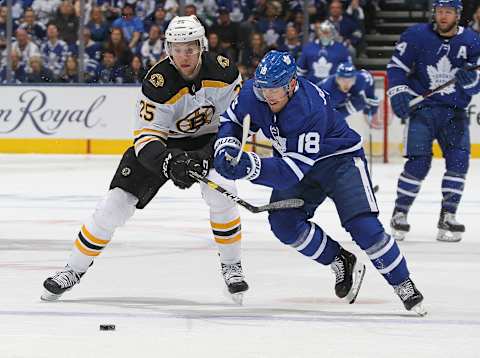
287	225
457	161
418	166
366	230
115	209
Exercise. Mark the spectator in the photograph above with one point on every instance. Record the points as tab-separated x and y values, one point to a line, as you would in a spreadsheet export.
108	71
3	27
45	9
34	28
70	73
228	32
38	72
214	43
272	26
54	51
116	43
18	69
205	10
297	23
152	48
131	26
321	57
347	28
144	7
135	72
93	50
99	28
24	46
158	19
88	9
475	23
240	10
67	22
291	43
251	55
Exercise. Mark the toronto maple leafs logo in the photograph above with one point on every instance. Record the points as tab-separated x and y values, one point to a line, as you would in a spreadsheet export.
271	37
441	73
287	60
321	68
279	143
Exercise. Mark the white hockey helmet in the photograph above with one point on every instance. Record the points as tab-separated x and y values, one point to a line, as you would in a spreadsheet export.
185	29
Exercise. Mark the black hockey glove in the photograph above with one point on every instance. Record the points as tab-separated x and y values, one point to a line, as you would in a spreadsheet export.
176	166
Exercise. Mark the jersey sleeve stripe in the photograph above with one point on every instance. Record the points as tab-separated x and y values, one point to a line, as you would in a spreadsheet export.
300	158
232	116
398	64
157	132
294	167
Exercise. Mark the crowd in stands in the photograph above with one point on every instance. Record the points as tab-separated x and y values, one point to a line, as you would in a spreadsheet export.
124	38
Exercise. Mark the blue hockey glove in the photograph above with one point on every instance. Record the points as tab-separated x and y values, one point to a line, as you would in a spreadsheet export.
247	168
466	78
400	99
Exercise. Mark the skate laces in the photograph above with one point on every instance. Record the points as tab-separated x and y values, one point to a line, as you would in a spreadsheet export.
405	290
400	218
232	272
338	269
450	219
66	278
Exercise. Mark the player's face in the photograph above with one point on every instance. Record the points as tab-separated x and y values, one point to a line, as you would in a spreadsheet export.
186	56
345	84
446	19
277	98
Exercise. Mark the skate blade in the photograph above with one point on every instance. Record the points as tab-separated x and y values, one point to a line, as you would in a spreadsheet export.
419	309
237	298
447	236
358	274
48	296
399	235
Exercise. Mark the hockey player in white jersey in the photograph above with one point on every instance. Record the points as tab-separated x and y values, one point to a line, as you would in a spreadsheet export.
427	56
177	118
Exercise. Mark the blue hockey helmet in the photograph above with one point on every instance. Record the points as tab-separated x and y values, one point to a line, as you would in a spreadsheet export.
276	69
345	70
456	4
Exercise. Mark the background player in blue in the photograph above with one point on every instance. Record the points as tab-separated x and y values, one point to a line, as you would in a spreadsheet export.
315	156
426	56
321	57
351	91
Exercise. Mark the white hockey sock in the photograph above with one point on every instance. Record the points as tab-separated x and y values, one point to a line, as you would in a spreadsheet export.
227	233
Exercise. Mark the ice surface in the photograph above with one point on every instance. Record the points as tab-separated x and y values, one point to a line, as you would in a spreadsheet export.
159	280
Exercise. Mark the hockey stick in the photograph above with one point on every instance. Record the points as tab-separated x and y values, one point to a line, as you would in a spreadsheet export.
245	131
276	205
259	145
429	93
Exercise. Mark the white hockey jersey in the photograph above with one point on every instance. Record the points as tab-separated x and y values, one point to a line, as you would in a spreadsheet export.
171	107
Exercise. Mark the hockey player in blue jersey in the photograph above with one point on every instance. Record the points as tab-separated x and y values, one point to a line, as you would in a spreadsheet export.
426	56
321	57
315	156
351	91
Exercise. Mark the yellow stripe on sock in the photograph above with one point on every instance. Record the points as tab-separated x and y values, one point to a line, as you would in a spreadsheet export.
232	240
85	251
92	238
223	226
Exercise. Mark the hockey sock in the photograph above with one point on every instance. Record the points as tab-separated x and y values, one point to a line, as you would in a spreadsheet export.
410	181
111	212
227	232
381	248
452	190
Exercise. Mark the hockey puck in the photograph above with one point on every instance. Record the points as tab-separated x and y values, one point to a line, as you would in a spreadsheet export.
107	327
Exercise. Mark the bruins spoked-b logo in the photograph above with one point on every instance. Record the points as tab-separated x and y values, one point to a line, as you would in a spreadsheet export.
195	120
126	171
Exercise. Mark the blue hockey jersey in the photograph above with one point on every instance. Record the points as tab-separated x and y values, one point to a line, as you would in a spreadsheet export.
360	97
424	60
318	62
302	133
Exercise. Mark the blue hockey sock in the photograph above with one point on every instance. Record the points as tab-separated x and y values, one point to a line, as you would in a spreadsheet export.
410	181
452	190
381	248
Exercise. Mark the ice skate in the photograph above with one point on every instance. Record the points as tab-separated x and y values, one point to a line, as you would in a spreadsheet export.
411	297
348	275
399	225
449	230
59	283
235	281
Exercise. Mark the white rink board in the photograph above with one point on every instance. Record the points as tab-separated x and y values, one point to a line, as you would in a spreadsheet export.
159	281
86	112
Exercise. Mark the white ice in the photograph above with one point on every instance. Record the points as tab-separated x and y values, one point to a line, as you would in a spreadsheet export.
159	279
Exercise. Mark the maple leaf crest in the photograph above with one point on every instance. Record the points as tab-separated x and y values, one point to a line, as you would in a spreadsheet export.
440	74
271	37
321	68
